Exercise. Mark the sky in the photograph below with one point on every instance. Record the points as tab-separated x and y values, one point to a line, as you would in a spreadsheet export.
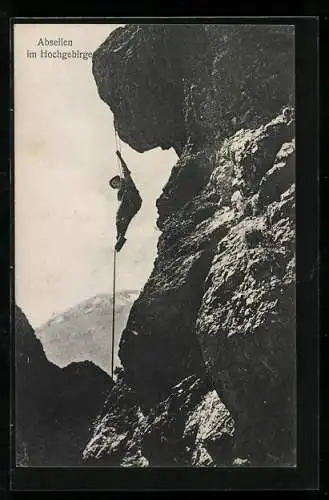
64	156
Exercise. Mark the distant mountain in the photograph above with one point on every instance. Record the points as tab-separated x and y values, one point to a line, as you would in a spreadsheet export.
84	331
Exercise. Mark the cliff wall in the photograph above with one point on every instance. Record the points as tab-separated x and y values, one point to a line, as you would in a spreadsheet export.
208	352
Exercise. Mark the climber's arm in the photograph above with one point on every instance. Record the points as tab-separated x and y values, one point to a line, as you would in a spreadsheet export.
125	170
129	190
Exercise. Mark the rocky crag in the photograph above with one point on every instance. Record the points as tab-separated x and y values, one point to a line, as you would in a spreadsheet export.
54	406
208	352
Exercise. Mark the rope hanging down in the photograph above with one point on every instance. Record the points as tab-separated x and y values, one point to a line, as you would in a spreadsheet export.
118	147
130	203
113	312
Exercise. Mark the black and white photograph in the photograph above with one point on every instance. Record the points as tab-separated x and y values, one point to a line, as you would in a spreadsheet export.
155	284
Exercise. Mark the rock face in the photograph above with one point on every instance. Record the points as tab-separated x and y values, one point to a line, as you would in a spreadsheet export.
165	83
190	427
54	406
208	352
246	321
148	111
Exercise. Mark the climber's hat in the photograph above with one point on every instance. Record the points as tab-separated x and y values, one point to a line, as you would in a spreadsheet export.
113	181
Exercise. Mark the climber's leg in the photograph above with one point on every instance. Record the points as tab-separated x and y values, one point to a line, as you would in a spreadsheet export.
123	222
120	242
125	215
122	225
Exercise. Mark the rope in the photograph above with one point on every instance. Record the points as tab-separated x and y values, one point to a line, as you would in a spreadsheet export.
113	312
118	147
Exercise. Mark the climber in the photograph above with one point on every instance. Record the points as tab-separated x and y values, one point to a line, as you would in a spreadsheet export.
130	199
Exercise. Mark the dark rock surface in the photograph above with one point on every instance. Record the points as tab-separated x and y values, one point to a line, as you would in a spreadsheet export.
165	83
54	406
139	72
219	304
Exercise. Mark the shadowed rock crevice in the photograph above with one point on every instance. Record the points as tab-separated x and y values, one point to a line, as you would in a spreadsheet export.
156	354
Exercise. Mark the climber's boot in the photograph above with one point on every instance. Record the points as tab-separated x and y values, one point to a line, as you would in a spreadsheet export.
120	242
